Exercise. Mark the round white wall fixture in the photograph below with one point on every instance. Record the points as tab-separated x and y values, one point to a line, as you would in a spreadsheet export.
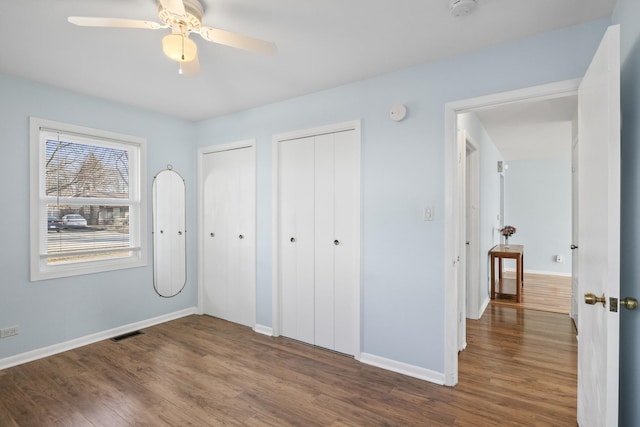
398	112
462	7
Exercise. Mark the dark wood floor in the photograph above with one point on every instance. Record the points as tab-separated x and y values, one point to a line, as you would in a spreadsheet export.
518	370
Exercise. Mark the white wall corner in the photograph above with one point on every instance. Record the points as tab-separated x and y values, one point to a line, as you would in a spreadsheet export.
51	350
484	306
264	330
403	368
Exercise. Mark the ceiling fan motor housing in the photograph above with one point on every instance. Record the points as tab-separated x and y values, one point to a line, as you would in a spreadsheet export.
462	7
192	20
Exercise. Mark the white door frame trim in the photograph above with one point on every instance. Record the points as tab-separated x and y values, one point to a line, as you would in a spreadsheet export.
247	143
452	109
354	125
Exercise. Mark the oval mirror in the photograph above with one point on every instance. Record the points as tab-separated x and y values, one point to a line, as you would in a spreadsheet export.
169	233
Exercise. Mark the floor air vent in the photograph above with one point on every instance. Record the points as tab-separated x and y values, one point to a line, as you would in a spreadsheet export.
127	335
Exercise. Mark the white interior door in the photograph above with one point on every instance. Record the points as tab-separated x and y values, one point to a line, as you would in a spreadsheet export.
229	240
296	238
324	241
346	242
599	234
319	239
475	297
575	181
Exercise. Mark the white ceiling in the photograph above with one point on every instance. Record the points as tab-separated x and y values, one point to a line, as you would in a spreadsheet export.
531	129
321	44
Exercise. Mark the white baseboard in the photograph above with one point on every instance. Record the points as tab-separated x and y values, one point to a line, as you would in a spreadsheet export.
546	273
484	306
403	368
40	353
264	330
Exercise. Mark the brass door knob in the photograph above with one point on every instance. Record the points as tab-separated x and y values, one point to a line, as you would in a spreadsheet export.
592	299
629	303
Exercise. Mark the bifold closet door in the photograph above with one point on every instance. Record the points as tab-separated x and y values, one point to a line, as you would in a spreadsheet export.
229	241
296	212
319	239
336	240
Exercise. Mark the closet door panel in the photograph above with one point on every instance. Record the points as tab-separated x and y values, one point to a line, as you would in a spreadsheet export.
240	290
229	261
216	223
347	231
324	241
296	181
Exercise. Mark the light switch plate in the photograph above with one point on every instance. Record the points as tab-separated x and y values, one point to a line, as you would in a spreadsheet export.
428	213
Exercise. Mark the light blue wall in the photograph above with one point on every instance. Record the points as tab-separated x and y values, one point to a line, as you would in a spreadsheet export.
402	172
54	311
538	204
489	194
626	14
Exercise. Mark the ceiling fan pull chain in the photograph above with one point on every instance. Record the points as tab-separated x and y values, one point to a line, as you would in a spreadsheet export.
182	56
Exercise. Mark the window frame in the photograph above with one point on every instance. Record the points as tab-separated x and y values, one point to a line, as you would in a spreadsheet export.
137	201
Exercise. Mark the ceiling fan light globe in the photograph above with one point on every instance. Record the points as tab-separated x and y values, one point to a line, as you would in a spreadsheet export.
179	48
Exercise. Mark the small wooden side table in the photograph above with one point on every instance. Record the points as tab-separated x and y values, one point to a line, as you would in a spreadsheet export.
511	252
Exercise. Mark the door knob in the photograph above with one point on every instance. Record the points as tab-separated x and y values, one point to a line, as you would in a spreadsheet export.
629	303
592	299
211	234
293	240
572	247
241	237
336	242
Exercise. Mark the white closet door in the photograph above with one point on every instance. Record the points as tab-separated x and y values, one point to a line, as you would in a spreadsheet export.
347	233
229	260
242	298
215	257
318	198
296	181
324	241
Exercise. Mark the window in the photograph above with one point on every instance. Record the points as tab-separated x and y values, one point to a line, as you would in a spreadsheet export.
88	207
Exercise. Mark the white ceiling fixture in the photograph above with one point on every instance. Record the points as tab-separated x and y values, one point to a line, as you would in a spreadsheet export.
183	17
462	7
321	45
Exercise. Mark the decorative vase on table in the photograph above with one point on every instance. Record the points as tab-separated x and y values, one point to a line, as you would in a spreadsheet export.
507	231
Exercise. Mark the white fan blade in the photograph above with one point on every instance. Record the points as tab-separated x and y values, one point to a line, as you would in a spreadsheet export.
190	68
237	40
174	6
86	21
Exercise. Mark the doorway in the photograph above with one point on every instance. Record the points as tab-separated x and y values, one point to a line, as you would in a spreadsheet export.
452	246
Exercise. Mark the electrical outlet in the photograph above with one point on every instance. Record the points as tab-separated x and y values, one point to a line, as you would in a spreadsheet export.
8	332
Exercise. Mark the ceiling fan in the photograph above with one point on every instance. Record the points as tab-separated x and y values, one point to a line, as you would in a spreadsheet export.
183	17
